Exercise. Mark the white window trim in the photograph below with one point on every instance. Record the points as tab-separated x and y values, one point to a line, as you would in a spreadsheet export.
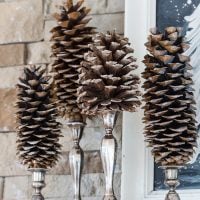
137	162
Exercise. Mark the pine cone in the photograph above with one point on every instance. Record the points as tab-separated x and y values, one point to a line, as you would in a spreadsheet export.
71	38
170	108
106	80
38	132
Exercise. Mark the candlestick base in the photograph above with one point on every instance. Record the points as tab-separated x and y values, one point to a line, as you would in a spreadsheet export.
38	183
172	196
171	180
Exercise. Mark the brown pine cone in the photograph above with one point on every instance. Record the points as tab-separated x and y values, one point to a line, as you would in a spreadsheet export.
106	79
71	38
38	132
170	107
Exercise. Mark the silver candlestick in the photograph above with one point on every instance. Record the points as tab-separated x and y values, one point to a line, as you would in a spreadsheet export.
75	156
108	148
38	182
171	180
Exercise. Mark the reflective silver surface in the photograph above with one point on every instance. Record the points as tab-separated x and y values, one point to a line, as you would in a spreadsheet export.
75	156
38	182
108	158
171	180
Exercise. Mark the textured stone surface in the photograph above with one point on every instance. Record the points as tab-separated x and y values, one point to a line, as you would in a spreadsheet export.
17	188
105	22
109	22
9	76
58	186
2	180
91	164
7	110
9	164
97	121
97	6
21	21
49	24
12	54
22	24
92	134
92	137
92	185
115	6
38	53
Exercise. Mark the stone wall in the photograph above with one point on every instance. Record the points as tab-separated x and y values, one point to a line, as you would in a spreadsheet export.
24	39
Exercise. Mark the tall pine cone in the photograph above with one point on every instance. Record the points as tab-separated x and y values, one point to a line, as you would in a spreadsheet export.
170	108
106	80
38	132
71	38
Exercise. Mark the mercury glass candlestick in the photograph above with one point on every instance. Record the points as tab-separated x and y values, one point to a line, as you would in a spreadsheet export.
75	156
171	180
38	182
108	148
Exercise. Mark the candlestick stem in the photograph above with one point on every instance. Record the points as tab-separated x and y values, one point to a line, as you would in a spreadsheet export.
76	156
108	148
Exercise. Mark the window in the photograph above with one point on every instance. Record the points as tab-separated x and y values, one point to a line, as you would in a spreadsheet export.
175	12
141	179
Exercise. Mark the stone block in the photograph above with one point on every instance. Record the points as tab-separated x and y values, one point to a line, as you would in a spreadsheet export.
97	121
97	6
49	24
2	181
92	134
7	109
58	186
62	167
92	137
21	21
12	55
92	185
108	22
103	22
9	76
92	198
17	188
118	164
115	6
10	165
38	53
91	164
117	185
